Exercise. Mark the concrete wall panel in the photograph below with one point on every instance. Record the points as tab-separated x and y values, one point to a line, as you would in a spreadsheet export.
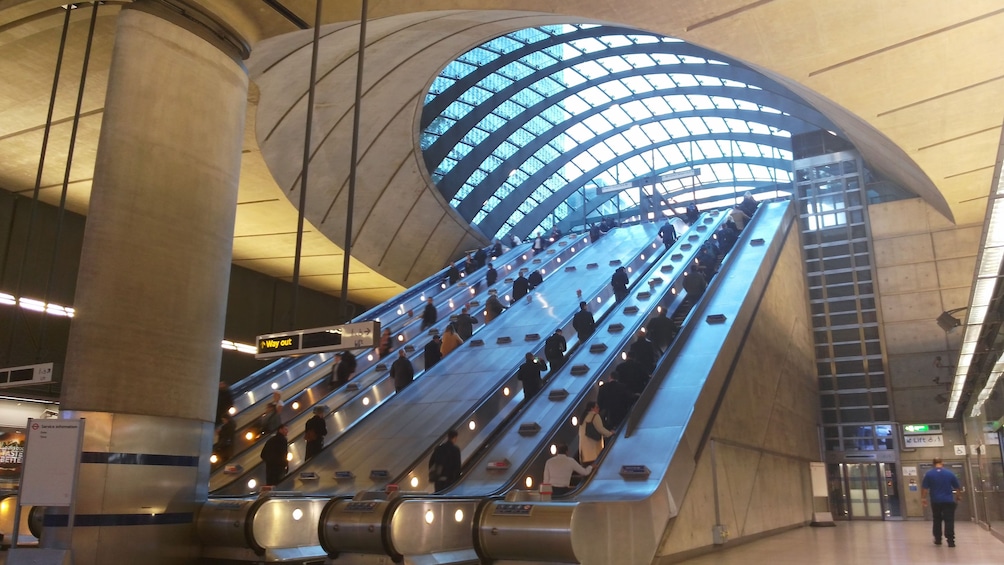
925	306
956	243
908	278
913	337
903	250
957	273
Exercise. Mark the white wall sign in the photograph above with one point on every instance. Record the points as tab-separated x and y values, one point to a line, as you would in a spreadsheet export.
960	450
909	471
932	440
50	463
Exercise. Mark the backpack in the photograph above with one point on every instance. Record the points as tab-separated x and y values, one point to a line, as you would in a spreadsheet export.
591	431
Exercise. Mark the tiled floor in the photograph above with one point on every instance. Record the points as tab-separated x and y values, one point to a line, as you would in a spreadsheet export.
850	543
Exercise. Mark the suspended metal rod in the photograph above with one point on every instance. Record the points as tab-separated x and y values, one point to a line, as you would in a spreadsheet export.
306	164
352	163
66	173
18	286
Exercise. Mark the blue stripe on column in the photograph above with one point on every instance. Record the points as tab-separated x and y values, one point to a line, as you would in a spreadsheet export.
138	459
105	520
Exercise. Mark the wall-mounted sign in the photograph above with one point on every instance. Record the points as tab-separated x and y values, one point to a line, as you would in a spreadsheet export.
922	428
924	441
26	375
319	340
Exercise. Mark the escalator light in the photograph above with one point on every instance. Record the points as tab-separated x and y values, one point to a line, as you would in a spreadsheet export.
289	457
659	309
414	482
400	337
459	515
573	250
599	299
529	482
275	386
575	421
296	406
629	268
430	517
249	436
443	286
505	391
554	449
232	411
366	401
252	483
653	246
642	256
472	425
524	257
673	290
297	514
369	357
213	458
624	355
311	364
472	291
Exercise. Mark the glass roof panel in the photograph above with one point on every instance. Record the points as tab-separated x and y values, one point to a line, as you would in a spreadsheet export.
625	127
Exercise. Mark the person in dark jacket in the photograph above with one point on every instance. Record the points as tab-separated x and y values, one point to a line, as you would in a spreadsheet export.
632	374
529	375
386	344
225	439
695	284
583	322
224	402
692	214
538	245
668	234
345	368
661	331
535	279
492	275
453	273
643	351
314	431
445	464
594	233
520	288
464	324
270	420
470	264
493	306
429	314
480	257
615	401
274	455
619	282
402	371
554	350
496	251
432	354
748	205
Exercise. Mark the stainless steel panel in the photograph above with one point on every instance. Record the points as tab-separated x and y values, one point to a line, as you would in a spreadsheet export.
284	523
542	534
422	527
354	527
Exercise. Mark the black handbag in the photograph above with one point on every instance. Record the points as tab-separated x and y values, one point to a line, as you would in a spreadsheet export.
591	431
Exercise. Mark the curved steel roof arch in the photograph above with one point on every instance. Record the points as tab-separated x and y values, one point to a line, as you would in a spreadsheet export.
491	130
472	201
438	150
451	182
484	191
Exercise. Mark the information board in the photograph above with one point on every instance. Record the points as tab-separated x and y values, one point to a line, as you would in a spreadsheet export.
26	375
52	454
318	340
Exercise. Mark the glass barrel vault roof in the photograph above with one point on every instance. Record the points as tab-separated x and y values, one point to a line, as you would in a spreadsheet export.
520	133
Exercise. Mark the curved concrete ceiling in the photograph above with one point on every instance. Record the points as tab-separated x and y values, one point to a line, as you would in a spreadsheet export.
916	85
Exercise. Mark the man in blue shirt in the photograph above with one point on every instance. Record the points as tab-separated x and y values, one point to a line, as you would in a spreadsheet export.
941	486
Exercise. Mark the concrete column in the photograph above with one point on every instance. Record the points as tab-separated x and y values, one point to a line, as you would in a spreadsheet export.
144	351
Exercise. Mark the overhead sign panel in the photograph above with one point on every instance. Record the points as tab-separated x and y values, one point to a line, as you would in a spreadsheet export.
26	375
319	340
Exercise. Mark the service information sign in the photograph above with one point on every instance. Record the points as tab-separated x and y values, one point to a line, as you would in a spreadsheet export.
319	340
51	458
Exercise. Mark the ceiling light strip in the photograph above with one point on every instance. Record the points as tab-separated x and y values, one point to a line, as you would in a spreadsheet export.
987	276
